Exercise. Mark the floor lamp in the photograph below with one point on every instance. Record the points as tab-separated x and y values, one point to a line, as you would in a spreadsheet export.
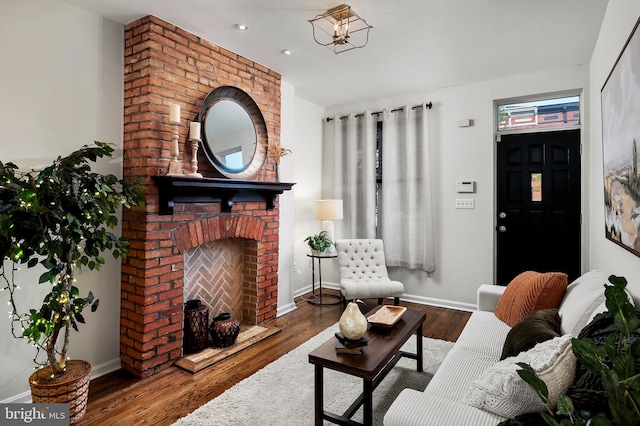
327	211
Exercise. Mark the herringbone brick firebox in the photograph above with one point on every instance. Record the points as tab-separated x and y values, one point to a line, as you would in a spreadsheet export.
221	275
166	65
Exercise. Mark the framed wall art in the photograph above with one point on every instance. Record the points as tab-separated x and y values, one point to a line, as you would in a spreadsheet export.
620	98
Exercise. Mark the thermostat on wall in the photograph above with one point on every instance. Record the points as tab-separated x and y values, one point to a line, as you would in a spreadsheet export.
466	186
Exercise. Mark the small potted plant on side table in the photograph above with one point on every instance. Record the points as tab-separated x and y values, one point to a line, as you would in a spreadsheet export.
318	243
59	218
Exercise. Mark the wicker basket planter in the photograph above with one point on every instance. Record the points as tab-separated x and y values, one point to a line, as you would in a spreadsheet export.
72	388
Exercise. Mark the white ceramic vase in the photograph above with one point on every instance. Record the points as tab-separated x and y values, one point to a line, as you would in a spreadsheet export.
353	324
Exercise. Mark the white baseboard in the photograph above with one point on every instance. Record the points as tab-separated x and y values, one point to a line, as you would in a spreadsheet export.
290	307
307	289
21	398
105	368
442	303
301	291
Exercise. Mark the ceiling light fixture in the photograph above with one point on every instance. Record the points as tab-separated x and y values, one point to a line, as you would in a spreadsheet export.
287	52
242	27
340	29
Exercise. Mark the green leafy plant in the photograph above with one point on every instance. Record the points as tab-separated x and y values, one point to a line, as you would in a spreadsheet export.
319	242
59	218
614	362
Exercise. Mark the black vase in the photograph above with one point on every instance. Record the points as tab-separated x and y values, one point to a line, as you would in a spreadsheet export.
224	330
196	319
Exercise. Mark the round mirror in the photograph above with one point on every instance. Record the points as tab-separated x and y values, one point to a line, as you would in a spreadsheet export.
234	133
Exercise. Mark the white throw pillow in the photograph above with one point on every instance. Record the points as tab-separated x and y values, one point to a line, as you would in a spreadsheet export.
583	296
500	390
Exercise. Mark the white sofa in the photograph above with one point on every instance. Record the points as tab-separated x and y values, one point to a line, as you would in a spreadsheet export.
480	347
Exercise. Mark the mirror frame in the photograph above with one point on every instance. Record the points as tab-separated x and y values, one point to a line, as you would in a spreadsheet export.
230	93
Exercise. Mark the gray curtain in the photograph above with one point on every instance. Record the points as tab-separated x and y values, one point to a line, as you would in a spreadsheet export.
407	218
405	213
354	164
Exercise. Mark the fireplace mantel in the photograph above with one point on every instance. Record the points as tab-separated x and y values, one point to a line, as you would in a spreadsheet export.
177	189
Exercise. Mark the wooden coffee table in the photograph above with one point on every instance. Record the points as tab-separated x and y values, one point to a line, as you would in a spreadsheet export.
378	358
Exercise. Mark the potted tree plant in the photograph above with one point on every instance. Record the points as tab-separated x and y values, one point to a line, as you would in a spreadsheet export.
59	218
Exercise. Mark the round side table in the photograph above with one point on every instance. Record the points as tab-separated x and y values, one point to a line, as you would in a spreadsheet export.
317	299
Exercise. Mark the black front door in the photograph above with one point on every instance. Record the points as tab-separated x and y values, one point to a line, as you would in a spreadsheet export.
538	225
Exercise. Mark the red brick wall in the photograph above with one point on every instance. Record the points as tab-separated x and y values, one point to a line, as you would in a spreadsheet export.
165	65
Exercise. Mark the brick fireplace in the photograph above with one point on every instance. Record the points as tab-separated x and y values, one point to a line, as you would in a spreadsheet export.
166	65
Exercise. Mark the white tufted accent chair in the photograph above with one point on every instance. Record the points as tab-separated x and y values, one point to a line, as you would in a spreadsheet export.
363	271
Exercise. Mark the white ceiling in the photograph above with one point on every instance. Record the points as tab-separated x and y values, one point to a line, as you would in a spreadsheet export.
415	45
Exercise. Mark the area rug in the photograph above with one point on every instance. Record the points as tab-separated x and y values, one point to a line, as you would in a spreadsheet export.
282	392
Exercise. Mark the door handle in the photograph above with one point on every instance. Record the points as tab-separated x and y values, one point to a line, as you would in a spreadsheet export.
502	228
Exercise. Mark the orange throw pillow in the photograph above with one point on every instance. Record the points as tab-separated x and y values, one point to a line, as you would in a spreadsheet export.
528	292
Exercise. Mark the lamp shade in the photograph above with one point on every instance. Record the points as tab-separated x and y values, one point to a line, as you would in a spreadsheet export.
328	210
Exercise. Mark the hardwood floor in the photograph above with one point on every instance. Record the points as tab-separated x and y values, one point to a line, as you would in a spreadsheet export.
120	399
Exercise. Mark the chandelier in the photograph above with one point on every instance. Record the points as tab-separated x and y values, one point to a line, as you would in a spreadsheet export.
340	29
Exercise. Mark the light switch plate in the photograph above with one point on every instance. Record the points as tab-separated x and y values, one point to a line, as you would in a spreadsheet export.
465	203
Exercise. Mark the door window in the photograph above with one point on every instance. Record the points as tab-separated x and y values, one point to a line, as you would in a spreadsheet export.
536	187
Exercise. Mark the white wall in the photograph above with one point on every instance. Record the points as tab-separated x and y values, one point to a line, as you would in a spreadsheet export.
620	18
61	84
307	156
465	238
286	200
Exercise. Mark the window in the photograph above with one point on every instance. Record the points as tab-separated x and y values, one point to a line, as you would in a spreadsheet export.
539	114
536	187
378	175
233	160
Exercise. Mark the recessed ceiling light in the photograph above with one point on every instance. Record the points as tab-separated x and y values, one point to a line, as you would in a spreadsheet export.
242	27
287	52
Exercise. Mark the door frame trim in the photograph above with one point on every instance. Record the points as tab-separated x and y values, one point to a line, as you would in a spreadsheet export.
542	130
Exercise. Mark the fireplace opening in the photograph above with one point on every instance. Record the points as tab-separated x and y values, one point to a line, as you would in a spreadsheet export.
222	276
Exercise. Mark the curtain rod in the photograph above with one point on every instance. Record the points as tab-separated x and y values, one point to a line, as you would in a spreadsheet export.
428	106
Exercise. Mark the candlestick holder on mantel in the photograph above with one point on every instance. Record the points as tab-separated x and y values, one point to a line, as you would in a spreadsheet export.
194	159
175	168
